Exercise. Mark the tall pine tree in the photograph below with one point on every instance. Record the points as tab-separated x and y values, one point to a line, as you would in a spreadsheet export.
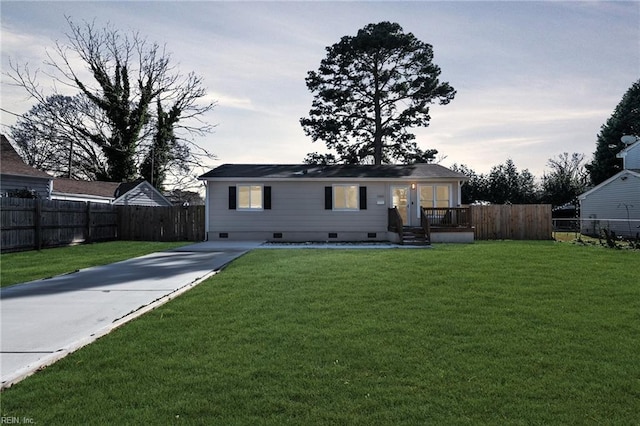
625	120
369	92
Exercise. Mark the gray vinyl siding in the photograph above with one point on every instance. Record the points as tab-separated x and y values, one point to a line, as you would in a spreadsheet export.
12	183
632	159
606	207
298	212
294	207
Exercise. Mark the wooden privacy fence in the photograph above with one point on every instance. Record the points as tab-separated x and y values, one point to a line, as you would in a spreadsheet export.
177	223
29	224
512	222
32	224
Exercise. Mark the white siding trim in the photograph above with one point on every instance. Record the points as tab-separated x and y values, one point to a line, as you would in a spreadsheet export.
345	209
81	197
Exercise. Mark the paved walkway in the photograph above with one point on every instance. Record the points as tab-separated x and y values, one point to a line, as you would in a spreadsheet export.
43	321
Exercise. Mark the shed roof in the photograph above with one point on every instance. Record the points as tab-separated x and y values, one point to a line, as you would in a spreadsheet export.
307	171
125	187
12	164
72	186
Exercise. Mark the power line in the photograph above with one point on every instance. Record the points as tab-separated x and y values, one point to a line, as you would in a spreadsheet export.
10	112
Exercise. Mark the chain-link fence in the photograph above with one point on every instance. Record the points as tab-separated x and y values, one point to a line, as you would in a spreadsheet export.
596	227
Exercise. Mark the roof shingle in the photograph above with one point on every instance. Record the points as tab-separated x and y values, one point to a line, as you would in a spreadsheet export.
297	171
72	186
12	164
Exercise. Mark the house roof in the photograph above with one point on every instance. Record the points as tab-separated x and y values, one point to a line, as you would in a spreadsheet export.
72	186
628	148
307	171
12	164
630	172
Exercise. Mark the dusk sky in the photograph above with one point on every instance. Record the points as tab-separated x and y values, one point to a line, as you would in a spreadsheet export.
533	79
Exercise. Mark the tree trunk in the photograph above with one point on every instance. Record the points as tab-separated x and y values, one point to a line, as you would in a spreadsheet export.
377	137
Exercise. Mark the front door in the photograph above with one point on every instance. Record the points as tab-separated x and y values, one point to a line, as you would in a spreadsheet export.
401	198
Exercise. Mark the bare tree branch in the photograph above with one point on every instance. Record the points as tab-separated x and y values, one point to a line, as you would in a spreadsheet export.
130	101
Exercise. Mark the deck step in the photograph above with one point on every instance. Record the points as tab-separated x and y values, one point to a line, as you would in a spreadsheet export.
414	236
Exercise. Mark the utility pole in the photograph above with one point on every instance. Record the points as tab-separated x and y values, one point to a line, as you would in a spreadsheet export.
70	158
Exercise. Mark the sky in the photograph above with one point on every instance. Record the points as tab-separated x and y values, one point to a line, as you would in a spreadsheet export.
533	79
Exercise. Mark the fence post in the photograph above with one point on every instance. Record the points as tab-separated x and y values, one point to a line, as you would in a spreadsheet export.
120	223
87	232
37	223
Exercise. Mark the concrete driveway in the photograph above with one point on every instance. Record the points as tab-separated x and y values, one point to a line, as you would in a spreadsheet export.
43	321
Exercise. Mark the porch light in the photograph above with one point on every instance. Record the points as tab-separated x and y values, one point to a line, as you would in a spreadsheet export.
413	186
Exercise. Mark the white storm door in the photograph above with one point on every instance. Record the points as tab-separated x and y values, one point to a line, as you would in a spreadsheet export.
401	198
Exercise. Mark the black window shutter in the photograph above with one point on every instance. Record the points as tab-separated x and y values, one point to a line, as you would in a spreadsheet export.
363	198
232	198
267	198
328	198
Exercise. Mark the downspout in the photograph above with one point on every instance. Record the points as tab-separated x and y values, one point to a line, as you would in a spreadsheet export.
206	210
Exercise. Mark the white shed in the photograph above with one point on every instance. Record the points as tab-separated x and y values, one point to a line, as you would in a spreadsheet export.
139	193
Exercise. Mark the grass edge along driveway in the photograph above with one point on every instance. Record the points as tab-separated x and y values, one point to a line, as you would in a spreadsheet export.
488	333
32	265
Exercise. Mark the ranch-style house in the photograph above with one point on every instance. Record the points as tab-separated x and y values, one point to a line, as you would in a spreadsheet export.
410	204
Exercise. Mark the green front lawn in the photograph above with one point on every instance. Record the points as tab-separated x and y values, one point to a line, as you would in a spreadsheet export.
489	333
33	265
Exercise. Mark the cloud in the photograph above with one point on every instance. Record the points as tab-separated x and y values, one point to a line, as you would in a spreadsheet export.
227	101
534	79
16	43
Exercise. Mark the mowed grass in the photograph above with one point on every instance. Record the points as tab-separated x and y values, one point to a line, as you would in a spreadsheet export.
33	265
491	333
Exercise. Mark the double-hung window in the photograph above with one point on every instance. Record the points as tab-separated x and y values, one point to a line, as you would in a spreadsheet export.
250	197
345	197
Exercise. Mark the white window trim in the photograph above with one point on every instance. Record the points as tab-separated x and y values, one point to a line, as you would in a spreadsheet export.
249	209
346	209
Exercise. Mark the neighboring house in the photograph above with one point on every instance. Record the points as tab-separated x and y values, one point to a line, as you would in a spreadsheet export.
323	203
139	193
16	175
615	203
80	190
